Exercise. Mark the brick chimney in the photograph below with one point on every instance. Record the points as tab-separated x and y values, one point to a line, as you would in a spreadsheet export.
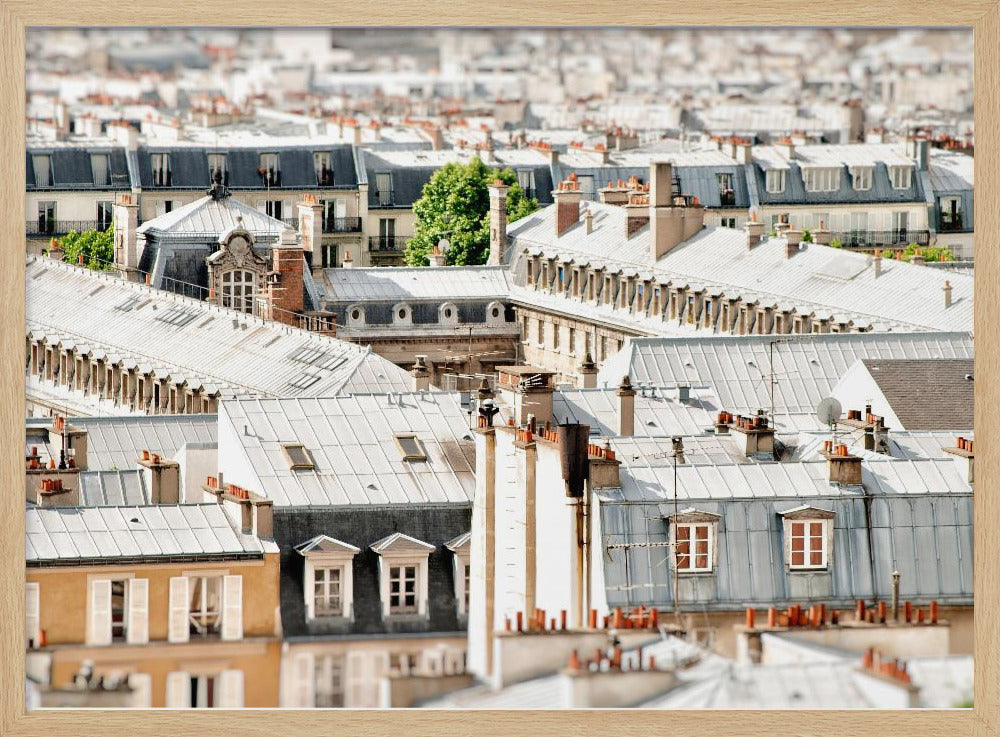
498	222
311	227
843	467
285	287
567	197
753	435
822	235
421	376
125	222
615	194
672	220
636	214
532	387
754	229
626	407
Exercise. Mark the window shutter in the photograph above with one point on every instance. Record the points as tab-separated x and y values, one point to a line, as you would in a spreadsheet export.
142	684
178	689
231	689
304	680
31	616
354	677
137	631
179	629
100	613
232	608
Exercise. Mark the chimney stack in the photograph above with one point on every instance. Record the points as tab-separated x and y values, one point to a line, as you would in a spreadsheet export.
588	220
588	373
163	477
673	220
347	262
637	211
626	407
755	231
533	387
125	223
753	435
436	258
821	235
964	452
793	239
310	212
498	222
567	197
843	468
877	263
947	293
285	288
421	376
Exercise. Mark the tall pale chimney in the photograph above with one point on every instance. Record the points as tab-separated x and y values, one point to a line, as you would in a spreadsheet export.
421	376
310	212
793	238
672	220
947	293
498	222
755	231
626	407
125	222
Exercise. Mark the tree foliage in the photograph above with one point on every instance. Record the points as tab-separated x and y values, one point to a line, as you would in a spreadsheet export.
96	246
455	204
930	253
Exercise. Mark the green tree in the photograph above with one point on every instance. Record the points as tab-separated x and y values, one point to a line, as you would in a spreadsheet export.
807	236
96	247
455	204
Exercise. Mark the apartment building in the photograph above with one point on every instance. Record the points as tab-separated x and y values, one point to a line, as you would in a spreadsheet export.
372	498
177	600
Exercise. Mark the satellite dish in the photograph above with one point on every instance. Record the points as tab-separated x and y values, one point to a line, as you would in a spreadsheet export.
828	411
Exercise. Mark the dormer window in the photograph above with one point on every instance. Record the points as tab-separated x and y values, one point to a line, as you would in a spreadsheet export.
100	168
775	181
821	180
217	168
42	166
328	578
461	549
324	169
861	178
160	164
693	539
808	535
901	176
403	574
269	170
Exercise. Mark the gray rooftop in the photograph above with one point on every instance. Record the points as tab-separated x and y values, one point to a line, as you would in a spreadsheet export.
72	535
209	218
396	284
927	394
352	442
806	368
178	336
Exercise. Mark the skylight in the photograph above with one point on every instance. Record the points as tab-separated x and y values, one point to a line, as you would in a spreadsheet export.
411	447
298	456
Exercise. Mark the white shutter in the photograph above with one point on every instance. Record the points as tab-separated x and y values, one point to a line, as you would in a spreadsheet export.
100	613
142	685
179	628
137	631
304	680
231	689
31	621
232	608
178	690
354	676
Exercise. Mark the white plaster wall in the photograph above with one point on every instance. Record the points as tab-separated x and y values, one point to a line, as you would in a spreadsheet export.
856	388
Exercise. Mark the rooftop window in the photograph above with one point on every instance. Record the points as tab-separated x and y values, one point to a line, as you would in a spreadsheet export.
298	456
411	447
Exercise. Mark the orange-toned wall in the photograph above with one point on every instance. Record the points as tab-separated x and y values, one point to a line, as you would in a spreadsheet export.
260	662
63	595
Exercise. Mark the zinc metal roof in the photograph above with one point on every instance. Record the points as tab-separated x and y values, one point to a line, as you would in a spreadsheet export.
657	411
806	367
198	341
951	171
405	283
113	488
905	296
210	217
352	442
75	534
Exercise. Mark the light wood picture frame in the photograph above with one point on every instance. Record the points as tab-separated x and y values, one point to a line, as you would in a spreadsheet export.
983	16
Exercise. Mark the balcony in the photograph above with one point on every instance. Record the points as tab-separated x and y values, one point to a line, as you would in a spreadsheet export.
342	225
43	226
883	238
951	223
396	243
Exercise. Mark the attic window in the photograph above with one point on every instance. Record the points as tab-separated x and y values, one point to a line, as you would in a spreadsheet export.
411	447
298	457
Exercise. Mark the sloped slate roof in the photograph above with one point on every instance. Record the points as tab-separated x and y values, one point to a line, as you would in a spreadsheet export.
927	394
210	218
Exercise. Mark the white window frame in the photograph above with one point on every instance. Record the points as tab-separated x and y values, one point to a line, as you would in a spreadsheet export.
160	164
692	526
398	551
321	159
826	179
42	164
216	161
808	537
774	180
135	611
862	177
100	163
328	673
461	549
901	177
363	673
338	555
238	294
